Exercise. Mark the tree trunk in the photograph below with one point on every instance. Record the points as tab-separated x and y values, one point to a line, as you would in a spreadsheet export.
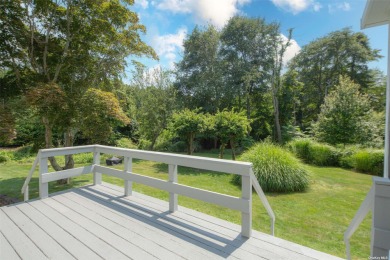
233	146
69	162
221	150
190	147
277	121
49	143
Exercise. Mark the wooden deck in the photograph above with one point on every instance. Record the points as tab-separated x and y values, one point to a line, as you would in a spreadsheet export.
98	222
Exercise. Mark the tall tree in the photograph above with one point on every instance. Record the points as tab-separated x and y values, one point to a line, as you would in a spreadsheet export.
279	48
247	51
155	101
320	63
345	115
199	75
66	47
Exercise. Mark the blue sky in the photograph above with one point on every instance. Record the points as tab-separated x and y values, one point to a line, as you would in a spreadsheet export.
168	22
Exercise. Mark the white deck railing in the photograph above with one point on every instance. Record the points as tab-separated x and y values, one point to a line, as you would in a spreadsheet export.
365	207
243	204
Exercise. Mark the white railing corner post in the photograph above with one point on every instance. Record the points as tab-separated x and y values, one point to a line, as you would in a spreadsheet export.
26	193
97	176
43	187
246	217
172	179
128	168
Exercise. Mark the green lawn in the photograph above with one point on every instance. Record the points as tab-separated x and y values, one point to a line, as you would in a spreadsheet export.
316	218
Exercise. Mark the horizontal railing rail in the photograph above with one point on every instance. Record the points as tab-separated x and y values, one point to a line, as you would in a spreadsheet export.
242	204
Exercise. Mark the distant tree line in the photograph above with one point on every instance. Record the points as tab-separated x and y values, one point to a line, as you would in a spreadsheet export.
62	61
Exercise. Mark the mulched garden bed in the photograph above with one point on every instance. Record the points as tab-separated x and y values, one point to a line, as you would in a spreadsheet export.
5	200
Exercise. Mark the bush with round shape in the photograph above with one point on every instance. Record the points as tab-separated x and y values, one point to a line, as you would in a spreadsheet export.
276	169
4	158
368	161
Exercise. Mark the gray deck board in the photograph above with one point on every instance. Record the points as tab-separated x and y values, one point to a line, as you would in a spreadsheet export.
228	236
100	247
69	242
95	222
47	244
144	228
6	250
19	241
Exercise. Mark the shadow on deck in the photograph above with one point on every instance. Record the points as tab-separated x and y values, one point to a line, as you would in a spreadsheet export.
95	222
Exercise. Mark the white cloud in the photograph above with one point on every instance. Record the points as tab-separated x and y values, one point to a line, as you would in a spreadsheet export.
143	3
175	6
297	6
217	12
168	45
291	50
344	6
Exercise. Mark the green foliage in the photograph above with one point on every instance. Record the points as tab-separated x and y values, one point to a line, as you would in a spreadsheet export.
100	110
186	124
83	158
320	64
199	76
57	50
313	152
344	116
7	126
230	126
276	169
367	161
155	100
178	147
4	158
323	155
144	144
300	147
125	143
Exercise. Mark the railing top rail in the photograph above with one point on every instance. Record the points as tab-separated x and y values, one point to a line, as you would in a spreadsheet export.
67	150
220	165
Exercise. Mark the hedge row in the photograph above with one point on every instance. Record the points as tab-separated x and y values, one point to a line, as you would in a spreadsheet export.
362	160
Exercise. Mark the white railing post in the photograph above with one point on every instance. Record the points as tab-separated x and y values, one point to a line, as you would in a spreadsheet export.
43	187
173	179
97	176
128	167
246	217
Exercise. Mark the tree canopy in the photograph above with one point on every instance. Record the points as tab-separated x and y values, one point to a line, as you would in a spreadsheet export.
344	116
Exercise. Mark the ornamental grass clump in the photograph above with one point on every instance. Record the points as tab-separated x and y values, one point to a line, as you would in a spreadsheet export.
276	169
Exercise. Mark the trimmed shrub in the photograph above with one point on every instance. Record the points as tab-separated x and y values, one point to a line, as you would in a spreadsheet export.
276	169
368	161
323	154
314	153
300	147
345	154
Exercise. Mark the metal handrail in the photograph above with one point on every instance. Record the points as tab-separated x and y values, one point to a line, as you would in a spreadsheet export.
264	200
25	189
365	207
